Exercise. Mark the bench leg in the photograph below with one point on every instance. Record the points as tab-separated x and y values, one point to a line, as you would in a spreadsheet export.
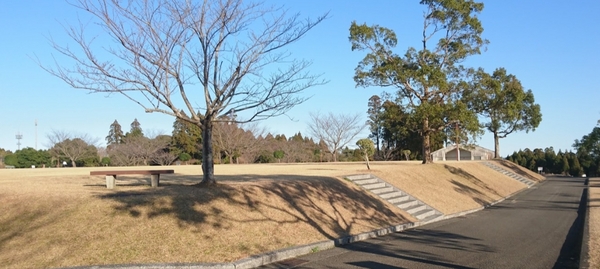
110	181
154	179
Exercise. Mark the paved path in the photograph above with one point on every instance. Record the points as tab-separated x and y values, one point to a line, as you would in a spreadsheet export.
538	228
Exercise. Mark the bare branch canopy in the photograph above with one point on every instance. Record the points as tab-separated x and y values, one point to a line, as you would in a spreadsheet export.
194	60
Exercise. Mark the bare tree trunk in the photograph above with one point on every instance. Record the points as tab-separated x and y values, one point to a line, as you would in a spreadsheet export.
426	143
73	162
208	166
367	159
496	146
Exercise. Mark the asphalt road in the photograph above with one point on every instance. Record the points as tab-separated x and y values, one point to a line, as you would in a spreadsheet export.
537	228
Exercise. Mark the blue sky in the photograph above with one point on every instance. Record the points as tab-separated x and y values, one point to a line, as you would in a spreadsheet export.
553	47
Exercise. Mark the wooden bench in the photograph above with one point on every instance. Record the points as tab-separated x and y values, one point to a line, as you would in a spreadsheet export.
112	175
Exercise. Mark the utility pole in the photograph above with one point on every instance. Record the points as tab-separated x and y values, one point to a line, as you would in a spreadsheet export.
19	136
36	134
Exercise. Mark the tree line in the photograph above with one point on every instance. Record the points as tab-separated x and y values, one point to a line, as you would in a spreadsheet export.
232	143
584	161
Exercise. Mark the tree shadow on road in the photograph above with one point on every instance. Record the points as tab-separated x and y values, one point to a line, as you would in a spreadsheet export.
421	246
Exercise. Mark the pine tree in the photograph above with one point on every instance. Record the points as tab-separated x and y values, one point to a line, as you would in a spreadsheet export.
115	134
136	129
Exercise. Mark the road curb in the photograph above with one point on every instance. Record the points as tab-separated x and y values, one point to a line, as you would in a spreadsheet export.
584	256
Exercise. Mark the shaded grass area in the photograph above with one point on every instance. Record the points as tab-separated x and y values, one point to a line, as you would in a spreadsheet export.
178	222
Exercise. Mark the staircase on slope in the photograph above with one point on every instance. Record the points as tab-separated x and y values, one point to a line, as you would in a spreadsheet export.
511	174
393	195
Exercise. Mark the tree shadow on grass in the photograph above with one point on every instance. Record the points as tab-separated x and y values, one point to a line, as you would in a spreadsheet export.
332	207
477	195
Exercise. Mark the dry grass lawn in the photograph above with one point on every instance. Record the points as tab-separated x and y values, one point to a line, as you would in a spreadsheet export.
64	217
594	223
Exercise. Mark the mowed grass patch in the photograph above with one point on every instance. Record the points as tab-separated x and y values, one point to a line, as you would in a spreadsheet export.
64	217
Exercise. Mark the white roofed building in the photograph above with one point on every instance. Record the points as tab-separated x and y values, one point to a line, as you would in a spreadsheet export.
466	152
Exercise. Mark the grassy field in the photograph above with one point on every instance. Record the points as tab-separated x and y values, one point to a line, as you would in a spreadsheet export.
63	217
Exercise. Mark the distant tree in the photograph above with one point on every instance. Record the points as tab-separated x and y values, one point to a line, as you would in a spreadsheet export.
508	107
574	165
406	153
115	134
187	138
588	150
565	165
264	157
232	140
184	157
367	148
136	129
105	161
74	147
173	55
278	155
3	154
141	150
374	121
430	82
28	157
335	130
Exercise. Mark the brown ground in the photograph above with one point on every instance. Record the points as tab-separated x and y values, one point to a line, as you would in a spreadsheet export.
64	217
594	223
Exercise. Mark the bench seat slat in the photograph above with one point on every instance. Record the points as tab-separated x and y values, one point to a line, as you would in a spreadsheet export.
130	172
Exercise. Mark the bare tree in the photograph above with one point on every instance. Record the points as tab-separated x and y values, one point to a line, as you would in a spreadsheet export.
141	150
209	56
335	130
234	140
74	147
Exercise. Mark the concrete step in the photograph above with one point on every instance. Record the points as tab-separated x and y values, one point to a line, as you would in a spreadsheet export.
407	204
415	208
382	190
372	186
423	214
390	195
432	217
398	199
366	181
359	177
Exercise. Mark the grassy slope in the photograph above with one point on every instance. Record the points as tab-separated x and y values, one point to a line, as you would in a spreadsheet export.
63	217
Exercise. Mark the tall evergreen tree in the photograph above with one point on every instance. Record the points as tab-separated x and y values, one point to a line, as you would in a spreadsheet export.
115	134
374	120
429	81
187	138
136	129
